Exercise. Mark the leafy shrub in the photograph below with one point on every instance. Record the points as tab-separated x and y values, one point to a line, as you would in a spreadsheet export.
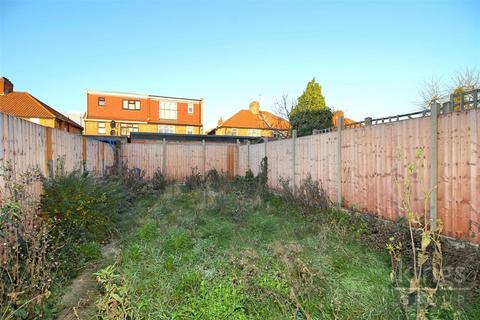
78	204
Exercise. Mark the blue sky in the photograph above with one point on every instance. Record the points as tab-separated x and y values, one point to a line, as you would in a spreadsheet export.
370	57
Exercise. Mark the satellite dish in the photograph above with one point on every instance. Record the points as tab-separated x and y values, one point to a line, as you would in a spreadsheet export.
112	132
112	124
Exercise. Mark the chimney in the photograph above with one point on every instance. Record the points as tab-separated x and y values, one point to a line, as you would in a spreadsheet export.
5	86
255	107
220	122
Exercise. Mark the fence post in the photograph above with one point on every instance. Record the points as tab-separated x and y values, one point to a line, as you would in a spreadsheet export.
84	153
339	160
294	143
433	165
204	155
265	142
368	121
164	157
49	153
237	158
248	155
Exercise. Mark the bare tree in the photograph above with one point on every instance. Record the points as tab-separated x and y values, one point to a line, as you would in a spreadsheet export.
431	92
282	108
465	80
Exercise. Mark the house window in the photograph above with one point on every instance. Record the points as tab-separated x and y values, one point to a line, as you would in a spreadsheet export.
127	128
168	110
254	132
101	128
101	101
166	129
189	130
233	131
131	104
190	108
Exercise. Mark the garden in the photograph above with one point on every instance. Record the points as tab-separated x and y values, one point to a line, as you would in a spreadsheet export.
214	248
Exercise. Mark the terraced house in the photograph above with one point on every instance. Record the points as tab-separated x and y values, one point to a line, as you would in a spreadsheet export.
118	114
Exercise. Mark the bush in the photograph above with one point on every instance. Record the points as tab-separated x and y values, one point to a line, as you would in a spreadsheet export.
251	185
158	182
78	204
26	264
194	180
216	181
131	179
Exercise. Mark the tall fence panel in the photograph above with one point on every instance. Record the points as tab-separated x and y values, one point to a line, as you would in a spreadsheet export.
25	146
67	150
375	163
459	174
148	157
177	160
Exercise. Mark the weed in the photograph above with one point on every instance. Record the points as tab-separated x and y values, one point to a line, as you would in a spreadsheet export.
194	181
114	303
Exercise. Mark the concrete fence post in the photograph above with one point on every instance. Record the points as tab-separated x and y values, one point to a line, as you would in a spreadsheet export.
433	164
265	142
339	160
164	157
237	159
248	154
368	121
294	155
204	155
84	154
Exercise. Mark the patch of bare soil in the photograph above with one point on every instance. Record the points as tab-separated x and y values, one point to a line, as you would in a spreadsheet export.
461	260
79	299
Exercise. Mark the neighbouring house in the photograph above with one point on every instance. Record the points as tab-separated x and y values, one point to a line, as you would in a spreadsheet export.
119	114
24	105
252	122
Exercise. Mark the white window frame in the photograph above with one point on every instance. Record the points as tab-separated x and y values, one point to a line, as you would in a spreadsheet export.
131	105
190	108
101	101
167	110
102	128
166	129
127	128
190	130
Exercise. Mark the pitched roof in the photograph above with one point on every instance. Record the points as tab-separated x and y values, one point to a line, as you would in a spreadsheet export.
263	120
23	104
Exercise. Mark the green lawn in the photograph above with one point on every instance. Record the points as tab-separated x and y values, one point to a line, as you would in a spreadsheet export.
210	255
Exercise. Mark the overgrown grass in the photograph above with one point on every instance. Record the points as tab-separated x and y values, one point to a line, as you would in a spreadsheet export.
191	259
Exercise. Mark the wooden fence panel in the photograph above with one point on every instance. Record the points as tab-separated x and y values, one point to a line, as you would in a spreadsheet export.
375	161
148	157
22	146
459	174
279	154
67	148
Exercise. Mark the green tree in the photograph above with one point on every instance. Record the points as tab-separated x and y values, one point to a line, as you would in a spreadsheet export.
310	112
